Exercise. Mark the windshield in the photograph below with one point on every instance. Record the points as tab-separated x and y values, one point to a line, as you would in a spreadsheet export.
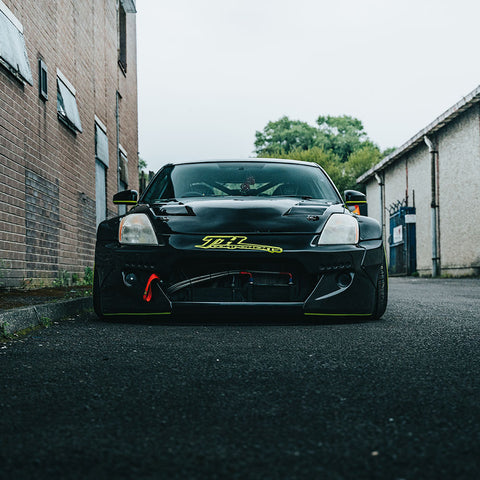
232	179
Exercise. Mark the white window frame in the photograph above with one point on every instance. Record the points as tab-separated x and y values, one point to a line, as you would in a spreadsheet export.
129	6
122	157
100	191
101	167
100	127
68	113
19	67
42	80
122	182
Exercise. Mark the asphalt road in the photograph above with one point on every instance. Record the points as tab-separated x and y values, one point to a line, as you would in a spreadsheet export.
397	398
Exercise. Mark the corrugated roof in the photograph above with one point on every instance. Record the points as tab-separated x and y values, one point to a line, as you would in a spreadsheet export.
446	117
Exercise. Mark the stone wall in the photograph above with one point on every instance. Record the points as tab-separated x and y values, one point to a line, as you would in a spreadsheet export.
408	178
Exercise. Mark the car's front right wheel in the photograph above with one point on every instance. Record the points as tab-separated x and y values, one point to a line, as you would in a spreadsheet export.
381	295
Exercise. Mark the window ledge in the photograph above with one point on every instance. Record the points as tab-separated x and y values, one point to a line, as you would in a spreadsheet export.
67	123
13	73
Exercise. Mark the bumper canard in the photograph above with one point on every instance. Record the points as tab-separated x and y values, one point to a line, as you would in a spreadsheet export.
234	242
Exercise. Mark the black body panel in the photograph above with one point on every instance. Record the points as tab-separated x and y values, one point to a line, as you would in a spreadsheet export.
238	252
303	274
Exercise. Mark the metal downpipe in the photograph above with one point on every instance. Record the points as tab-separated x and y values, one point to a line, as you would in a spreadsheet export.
381	185
433	209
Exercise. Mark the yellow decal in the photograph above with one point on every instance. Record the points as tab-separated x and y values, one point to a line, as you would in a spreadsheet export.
234	242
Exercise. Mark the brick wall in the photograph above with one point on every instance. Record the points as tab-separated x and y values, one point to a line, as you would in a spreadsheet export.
47	171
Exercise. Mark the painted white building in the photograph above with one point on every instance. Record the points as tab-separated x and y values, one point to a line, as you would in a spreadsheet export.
437	172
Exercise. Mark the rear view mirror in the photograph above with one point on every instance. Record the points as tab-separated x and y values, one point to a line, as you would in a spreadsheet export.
127	197
356	202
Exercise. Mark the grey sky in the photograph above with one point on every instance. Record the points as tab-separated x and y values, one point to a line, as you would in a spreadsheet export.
211	72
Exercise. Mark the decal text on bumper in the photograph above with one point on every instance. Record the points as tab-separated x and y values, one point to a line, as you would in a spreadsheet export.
234	242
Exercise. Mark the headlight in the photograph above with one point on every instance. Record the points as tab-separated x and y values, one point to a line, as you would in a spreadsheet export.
136	229
340	229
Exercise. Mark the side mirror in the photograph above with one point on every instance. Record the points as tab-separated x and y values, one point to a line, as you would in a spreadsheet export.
356	202
127	197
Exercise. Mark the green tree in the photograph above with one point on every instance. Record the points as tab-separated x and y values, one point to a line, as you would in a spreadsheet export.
142	174
285	135
359	162
343	135
142	164
388	151
339	144
328	160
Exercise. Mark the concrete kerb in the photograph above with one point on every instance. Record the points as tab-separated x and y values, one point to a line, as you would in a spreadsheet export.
18	319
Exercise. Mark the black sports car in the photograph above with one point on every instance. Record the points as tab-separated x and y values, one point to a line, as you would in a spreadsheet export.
240	234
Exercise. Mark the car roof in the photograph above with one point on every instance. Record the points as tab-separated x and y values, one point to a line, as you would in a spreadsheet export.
262	160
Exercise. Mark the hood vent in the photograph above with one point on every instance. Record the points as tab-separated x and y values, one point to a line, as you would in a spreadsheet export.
166	210
302	211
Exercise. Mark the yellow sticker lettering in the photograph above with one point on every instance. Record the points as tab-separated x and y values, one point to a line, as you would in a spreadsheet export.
234	242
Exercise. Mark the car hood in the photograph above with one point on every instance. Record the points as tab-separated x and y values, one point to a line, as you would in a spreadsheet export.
242	215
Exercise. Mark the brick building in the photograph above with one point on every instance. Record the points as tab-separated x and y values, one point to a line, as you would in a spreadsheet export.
434	179
68	131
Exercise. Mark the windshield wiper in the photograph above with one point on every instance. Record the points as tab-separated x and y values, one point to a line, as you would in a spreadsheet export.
303	197
166	200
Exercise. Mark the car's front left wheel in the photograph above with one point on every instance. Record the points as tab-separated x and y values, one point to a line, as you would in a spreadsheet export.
96	295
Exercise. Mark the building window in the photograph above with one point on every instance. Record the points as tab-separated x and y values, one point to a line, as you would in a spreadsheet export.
122	38
67	104
42	80
123	176
123	168
101	142
13	52
100	191
124	7
101	165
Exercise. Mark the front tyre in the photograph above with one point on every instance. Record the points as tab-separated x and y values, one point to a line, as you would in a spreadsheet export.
96	295
381	295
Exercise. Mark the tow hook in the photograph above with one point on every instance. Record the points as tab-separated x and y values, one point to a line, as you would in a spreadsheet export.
148	293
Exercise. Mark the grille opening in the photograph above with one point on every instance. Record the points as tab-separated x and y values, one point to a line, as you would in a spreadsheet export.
238	283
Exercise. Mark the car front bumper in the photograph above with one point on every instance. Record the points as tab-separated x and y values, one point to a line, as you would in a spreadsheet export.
182	276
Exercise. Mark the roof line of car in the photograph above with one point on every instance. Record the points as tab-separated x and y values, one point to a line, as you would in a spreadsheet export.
257	160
